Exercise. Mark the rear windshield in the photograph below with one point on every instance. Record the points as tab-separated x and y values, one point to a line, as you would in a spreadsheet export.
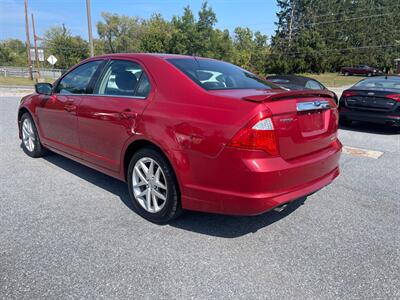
218	75
380	84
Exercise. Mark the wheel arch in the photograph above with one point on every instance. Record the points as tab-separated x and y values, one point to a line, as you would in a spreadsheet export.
22	110
135	146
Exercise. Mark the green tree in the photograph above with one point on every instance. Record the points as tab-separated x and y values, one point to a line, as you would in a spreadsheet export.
120	33
321	35
68	49
250	50
12	53
157	35
185	37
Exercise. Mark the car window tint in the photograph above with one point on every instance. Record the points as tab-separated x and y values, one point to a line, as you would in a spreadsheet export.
77	81
218	75
313	85
144	87
123	78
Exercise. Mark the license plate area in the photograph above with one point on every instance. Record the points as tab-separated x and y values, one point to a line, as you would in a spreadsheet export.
311	121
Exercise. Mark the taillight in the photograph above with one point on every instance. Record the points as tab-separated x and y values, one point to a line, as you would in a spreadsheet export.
347	94
395	97
258	134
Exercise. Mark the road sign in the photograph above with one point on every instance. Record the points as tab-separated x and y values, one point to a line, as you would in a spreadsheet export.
52	59
40	54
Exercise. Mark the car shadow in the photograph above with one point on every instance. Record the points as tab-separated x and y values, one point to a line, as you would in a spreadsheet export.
92	176
372	128
232	226
202	223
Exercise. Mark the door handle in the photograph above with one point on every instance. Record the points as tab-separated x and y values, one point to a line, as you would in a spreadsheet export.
128	114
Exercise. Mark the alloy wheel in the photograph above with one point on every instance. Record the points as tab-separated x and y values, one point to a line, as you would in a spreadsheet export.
149	185
28	135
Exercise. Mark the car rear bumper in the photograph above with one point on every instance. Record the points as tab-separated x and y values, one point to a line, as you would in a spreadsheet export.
379	118
251	184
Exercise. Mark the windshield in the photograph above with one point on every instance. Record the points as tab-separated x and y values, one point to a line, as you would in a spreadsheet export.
392	84
218	75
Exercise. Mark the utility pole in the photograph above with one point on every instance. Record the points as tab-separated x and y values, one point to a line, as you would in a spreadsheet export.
35	43
89	19
28	42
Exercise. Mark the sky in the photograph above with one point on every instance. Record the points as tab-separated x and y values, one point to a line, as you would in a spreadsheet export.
255	14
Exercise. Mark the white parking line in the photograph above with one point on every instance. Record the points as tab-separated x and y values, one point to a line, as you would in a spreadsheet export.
362	152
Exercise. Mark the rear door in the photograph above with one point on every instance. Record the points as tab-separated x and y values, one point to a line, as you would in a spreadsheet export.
57	113
108	118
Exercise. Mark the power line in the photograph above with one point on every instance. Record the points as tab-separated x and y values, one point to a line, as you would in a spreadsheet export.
333	15
352	19
358	11
346	49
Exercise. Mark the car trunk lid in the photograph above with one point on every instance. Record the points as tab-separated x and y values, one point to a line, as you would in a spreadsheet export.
305	121
370	101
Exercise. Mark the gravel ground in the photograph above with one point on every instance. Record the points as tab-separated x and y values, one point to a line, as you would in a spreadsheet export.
67	231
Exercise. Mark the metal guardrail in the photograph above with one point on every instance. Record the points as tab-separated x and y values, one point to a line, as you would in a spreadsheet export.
24	72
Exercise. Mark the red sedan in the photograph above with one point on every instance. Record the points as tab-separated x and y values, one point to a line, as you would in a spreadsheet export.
186	133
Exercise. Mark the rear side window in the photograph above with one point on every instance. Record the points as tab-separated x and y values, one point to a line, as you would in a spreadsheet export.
77	81
313	85
124	78
218	75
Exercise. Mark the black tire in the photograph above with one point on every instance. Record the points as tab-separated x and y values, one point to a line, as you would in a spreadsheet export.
38	149
345	122
172	208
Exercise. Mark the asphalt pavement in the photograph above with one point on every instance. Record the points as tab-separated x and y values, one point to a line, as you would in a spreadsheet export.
67	231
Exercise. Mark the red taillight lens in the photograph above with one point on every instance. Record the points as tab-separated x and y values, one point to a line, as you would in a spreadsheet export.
395	97
258	134
347	94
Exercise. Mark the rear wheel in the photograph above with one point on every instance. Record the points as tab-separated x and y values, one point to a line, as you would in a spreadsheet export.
153	187
30	137
369	74
346	73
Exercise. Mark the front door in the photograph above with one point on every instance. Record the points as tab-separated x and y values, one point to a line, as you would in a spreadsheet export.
57	114
108	118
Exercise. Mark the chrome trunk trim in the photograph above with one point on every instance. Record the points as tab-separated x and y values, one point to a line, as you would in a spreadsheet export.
313	105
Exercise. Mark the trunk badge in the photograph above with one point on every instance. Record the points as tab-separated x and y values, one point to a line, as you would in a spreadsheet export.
371	93
287	120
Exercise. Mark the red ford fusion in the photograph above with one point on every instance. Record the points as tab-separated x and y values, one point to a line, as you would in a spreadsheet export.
186	133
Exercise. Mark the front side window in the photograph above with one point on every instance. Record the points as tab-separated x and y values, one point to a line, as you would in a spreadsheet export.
124	78
218	75
77	81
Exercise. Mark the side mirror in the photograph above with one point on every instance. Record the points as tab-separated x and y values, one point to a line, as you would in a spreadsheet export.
43	88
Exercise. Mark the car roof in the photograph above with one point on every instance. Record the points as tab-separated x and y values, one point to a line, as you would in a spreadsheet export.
395	77
144	55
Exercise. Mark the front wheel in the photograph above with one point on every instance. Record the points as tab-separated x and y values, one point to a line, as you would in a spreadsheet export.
30	137
153	187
